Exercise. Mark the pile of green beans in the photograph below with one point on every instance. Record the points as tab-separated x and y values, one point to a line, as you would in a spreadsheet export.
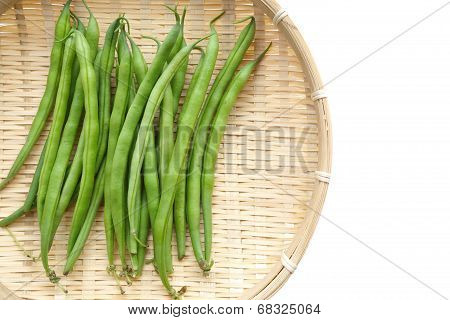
155	177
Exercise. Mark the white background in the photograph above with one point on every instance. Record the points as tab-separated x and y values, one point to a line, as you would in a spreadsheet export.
391	172
391	161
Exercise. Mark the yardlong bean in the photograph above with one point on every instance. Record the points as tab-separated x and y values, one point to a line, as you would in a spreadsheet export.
48	100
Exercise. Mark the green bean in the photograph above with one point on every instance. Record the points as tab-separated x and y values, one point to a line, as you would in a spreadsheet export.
145	130
58	174
178	84
31	196
124	143
76	65
139	65
179	216
106	66
179	42
97	197
193	186
218	127
143	232
132	242
75	170
140	68
50	164
151	174
48	100
187	121
180	195
166	142
119	110
92	33
91	135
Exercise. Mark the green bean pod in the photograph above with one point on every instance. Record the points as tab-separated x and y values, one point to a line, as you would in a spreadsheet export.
166	142
124	143
178	84
218	127
193	184
144	228
30	200
75	170
92	33
97	197
180	195
132	238
139	65
187	121
69	134
50	164
59	117
151	174
91	135
145	130
48	100
76	65
104	100
60	168
179	210
119	110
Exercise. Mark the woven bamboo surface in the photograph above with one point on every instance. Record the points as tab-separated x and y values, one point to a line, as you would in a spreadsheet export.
267	198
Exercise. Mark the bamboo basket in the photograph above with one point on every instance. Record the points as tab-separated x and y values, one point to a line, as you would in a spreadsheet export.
273	170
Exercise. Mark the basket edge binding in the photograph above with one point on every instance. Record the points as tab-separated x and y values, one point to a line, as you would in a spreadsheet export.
290	258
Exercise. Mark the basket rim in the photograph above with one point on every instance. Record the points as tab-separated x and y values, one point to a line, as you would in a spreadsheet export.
291	257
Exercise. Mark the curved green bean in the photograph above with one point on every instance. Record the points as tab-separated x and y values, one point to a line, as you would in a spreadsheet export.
193	186
218	127
54	138
30	200
48	100
97	197
75	170
58	173
91	135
